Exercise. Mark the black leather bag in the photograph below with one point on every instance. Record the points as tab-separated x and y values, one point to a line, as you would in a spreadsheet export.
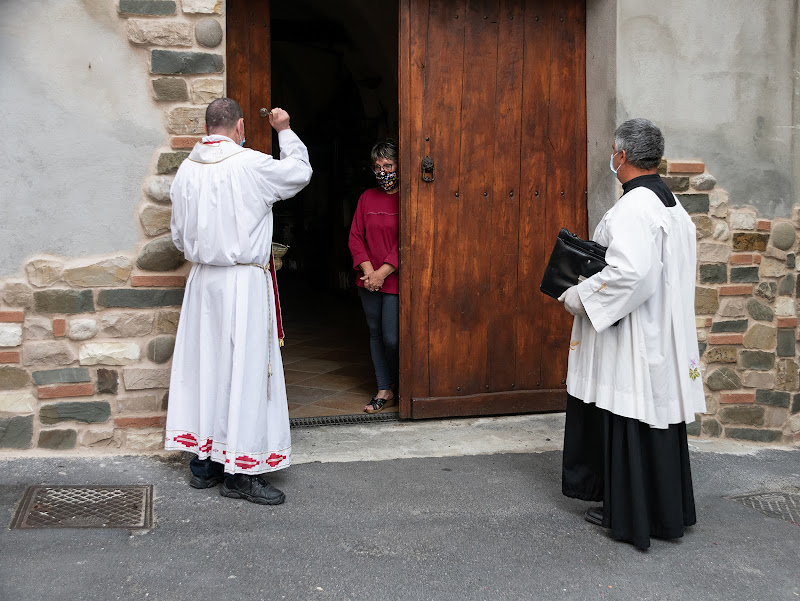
572	260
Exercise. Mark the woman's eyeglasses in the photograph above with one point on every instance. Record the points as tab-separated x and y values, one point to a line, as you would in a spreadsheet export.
385	167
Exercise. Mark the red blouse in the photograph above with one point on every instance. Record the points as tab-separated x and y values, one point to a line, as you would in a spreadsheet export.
375	234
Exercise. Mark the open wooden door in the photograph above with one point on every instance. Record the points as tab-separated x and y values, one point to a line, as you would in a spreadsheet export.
248	74
493	91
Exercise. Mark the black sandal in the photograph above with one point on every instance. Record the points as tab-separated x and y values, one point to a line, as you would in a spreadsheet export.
376	404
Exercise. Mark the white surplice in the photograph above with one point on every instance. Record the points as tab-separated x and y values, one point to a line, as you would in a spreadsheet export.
647	367
223	401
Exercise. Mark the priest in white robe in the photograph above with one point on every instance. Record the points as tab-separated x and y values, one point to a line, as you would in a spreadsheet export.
227	397
633	379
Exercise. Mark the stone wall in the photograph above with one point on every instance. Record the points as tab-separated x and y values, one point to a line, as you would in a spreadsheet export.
746	310
85	344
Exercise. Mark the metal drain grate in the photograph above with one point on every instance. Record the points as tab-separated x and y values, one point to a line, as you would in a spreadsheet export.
85	507
785	506
338	420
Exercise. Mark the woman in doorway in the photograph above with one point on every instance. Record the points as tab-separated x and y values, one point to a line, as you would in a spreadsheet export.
374	238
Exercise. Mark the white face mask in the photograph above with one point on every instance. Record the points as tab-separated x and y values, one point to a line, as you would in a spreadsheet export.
611	163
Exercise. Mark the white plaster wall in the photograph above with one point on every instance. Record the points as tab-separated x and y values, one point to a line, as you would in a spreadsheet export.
719	77
77	140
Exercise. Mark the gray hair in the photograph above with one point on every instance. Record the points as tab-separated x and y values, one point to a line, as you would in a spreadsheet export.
223	114
385	149
642	142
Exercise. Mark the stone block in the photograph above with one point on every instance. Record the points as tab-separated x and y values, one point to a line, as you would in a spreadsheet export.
145	441
744	274
705	226
775	417
771	268
736	325
10	335
761	336
767	290
172	62
160	255
794	424
783	235
60	391
790	261
141	298
764	225
16	432
676	166
65	375
57	440
88	412
150	421
48	353
158	32
109	353
168	162
704	181
732	307
167	322
786	343
743	220
694	203
719	211
146	403
184	142
145	378
38	328
205	90
165	401
105	437
725	338
724	378
127	325
787	285
676	183
713	273
59	327
82	329
748	242
170	89
9	356
787	322
202	6
18	294
693	429
776	253
107	381
758	379
729	398
711	252
12	316
155	219
147	7
186	120
796	404
110	272
159	349
706	301
711	427
701	348
786	375
157	187
756	360
721	231
721	354
17	401
63	301
158	281
12	378
753	434
784	307
747	415
208	33
44	272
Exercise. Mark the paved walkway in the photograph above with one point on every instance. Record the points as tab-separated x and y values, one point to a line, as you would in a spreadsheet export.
453	509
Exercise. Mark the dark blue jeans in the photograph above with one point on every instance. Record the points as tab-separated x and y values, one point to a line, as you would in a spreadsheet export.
383	315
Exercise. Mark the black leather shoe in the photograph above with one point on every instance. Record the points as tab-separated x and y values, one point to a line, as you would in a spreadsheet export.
253	488
594	515
200	482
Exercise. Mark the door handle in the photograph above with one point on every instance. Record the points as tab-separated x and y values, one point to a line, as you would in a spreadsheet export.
427	168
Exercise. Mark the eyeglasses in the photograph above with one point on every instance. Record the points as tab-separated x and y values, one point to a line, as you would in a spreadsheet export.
385	167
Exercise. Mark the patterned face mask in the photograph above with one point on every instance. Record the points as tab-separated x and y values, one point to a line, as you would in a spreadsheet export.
386	180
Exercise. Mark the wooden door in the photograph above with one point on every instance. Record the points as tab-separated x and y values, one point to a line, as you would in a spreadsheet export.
494	92
248	67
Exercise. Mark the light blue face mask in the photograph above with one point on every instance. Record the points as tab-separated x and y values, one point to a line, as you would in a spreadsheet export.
242	142
611	163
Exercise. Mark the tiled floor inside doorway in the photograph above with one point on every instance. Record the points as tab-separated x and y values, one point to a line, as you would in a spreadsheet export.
326	357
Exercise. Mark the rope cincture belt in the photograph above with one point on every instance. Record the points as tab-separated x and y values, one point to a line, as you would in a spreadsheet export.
265	269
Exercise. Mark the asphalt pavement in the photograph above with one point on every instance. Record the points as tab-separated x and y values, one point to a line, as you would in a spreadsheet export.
442	510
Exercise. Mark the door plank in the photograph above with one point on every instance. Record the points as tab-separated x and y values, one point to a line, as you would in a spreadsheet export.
504	244
258	130
495	403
